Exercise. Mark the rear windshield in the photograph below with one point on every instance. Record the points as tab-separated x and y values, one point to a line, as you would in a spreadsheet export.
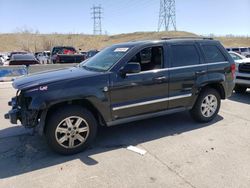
63	50
22	57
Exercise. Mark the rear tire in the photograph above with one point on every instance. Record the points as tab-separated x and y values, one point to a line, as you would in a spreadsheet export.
207	105
240	89
70	129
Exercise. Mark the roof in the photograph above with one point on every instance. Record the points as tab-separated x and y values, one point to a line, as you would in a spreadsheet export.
165	40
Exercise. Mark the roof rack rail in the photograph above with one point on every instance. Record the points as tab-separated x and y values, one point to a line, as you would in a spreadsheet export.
204	38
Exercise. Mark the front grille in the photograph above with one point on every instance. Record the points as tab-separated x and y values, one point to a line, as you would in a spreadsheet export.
244	68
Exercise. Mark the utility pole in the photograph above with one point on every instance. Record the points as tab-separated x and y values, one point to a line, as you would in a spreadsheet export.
97	17
167	17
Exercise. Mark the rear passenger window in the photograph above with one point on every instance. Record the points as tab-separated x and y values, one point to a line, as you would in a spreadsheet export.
213	54
183	55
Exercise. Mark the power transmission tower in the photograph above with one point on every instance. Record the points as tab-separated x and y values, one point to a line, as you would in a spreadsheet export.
167	17
97	17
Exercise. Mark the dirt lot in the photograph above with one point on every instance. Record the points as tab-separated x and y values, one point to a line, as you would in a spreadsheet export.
180	153
39	42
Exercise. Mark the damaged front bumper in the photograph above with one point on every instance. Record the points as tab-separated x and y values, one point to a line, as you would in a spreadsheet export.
20	112
14	113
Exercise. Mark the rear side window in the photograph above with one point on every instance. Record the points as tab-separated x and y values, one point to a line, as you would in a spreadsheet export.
184	55
213	54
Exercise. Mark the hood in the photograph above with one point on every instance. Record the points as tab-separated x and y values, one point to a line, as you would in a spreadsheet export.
43	78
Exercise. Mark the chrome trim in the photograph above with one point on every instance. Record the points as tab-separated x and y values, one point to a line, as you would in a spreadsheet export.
151	102
176	68
190	66
145	116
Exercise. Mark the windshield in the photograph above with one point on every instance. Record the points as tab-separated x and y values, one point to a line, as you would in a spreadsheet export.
105	59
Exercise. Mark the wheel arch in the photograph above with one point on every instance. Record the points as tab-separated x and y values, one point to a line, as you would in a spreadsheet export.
218	87
44	115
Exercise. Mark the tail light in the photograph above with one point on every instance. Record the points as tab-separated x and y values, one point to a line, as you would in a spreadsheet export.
233	69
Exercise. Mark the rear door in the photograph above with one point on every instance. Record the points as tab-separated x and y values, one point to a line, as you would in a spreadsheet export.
185	73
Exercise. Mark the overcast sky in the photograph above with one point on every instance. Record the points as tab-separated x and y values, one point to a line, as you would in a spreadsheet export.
219	17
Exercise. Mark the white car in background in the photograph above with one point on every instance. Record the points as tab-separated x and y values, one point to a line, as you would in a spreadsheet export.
241	50
242	81
44	57
1	60
4	58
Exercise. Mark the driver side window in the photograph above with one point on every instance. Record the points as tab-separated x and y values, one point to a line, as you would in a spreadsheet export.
149	58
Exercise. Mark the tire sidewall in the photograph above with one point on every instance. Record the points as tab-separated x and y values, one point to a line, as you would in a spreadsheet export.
196	111
59	115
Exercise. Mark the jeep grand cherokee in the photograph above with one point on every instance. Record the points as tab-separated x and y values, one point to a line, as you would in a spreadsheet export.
123	83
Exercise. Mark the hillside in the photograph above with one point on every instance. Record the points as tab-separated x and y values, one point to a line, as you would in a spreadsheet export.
36	42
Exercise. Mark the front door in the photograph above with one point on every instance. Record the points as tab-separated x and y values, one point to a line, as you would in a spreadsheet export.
143	92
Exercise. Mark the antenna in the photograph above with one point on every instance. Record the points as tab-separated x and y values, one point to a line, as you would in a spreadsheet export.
167	16
97	17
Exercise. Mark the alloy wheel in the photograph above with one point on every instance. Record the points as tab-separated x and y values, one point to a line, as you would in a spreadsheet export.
72	132
209	105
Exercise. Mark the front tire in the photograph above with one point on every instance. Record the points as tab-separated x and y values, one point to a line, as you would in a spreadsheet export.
207	105
70	130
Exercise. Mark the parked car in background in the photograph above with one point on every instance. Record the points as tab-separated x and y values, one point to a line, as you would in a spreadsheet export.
23	59
36	54
5	56
43	57
14	53
241	50
242	81
244	51
65	54
84	53
91	53
1	59
124	83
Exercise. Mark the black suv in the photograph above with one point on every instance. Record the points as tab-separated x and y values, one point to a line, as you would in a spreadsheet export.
123	83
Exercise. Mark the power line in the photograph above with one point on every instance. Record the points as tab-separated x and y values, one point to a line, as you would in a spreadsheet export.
97	17
167	16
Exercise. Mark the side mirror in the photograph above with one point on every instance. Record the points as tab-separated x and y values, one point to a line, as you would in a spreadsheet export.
130	68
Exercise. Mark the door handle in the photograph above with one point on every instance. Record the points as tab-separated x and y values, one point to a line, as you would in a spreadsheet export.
200	72
160	79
